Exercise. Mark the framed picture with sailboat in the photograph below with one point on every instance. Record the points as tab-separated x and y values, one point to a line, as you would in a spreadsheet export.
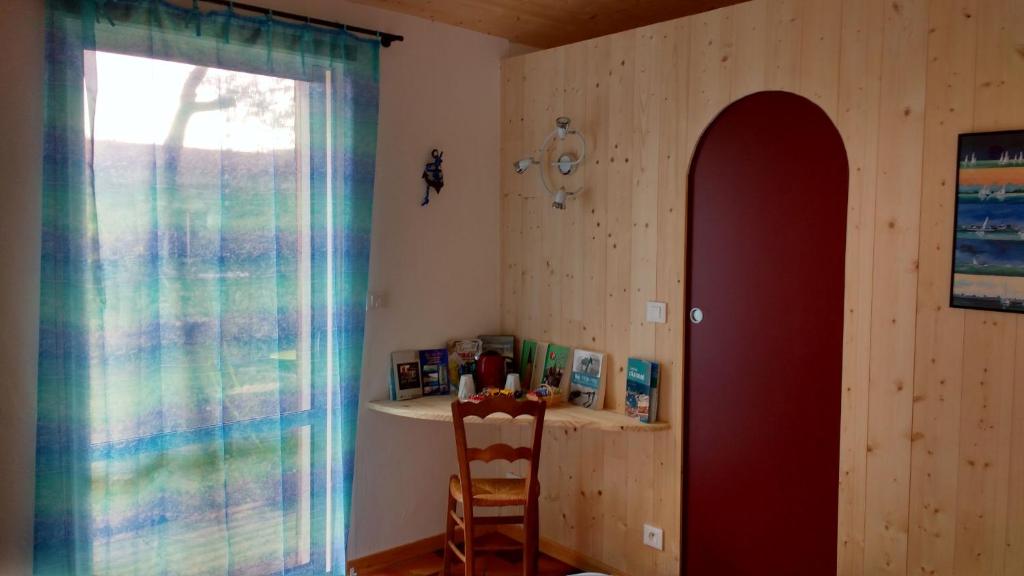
988	237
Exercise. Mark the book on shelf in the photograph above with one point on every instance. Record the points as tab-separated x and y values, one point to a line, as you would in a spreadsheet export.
527	361
556	365
502	344
540	354
587	382
406	378
434	371
642	390
462	355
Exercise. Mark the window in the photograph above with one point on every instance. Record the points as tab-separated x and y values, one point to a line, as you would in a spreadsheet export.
206	415
207	194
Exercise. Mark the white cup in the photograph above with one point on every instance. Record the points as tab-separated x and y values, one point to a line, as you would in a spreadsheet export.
467	387
512	382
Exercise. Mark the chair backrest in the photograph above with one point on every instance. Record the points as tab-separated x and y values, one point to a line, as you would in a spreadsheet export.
483	409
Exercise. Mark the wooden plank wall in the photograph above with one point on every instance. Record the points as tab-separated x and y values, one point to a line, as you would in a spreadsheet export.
932	465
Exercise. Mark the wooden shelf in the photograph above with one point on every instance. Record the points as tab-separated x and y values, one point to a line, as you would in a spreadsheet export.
438	408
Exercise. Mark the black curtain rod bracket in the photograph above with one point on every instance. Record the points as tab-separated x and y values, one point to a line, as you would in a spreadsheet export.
385	38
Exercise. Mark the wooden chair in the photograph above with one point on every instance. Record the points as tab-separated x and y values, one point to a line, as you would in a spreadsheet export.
492	492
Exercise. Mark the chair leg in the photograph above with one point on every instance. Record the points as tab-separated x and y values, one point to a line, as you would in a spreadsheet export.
532	539
468	537
449	536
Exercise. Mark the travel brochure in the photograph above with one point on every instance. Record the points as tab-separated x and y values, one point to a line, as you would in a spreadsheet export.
642	379
586	385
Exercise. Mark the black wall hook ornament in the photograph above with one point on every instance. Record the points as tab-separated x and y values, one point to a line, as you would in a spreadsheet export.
433	175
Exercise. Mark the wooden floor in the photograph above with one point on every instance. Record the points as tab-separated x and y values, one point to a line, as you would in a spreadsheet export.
492	564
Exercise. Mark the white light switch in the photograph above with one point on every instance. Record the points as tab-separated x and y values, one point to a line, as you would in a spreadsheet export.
656	312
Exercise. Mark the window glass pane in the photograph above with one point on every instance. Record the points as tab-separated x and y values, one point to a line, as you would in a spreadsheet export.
297	488
160	512
206	503
201	191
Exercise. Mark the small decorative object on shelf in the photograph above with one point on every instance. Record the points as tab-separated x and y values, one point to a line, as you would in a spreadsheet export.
546	394
502	344
433	175
512	383
467	387
490	392
491	368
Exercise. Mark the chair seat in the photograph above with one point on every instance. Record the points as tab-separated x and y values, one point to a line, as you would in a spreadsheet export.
492	491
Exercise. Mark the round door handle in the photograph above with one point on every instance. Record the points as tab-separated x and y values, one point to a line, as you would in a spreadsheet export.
696	315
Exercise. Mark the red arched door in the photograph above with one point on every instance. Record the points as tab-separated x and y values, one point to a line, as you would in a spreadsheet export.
766	252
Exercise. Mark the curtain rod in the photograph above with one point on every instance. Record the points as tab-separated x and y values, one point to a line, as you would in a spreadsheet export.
385	38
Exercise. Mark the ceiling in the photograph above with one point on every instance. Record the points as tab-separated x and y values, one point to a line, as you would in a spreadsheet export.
549	23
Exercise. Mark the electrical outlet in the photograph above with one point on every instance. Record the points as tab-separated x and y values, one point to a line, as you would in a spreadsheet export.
653	537
656	312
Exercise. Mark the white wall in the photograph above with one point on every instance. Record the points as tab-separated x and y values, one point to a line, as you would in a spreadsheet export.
21	24
437	265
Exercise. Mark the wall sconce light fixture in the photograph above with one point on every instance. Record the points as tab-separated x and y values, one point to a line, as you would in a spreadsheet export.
566	162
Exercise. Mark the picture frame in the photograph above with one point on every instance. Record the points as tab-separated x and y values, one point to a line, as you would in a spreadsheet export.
987	271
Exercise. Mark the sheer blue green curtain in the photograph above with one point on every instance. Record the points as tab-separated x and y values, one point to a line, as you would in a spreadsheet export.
207	194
